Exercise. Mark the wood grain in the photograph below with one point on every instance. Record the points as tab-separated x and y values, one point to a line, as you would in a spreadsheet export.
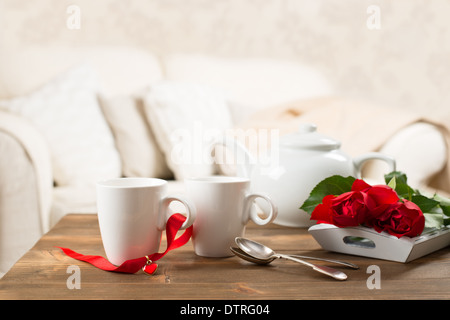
42	272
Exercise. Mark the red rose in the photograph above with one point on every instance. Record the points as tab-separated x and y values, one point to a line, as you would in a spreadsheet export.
377	198
346	210
377	207
355	207
400	219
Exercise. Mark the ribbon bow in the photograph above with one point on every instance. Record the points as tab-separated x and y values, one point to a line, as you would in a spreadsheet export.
145	263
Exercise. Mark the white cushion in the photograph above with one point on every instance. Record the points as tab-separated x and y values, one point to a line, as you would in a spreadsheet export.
66	111
419	150
186	118
121	69
255	83
139	151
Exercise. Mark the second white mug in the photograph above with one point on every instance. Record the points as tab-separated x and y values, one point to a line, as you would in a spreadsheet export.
224	206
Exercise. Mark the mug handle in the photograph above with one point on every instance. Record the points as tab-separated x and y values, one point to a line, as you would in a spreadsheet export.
191	212
359	161
253	215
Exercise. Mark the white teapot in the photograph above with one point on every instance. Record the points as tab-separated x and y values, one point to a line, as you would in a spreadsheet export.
304	159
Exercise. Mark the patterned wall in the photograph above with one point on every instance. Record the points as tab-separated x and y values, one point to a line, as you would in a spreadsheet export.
394	52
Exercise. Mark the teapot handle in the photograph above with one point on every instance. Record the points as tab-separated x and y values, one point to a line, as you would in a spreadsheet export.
243	159
359	161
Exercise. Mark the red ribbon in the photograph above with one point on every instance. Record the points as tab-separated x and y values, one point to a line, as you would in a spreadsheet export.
132	266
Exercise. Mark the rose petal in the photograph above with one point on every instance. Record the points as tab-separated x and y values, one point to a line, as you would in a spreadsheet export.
383	194
322	212
360	185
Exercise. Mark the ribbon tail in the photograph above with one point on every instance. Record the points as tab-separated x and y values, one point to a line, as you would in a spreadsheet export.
133	265
129	266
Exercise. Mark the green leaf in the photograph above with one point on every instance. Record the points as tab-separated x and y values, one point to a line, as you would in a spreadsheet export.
334	185
400	177
425	204
393	183
401	186
444	204
446	220
433	220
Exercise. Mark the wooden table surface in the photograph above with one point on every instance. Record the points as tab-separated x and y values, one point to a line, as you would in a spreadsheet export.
42	273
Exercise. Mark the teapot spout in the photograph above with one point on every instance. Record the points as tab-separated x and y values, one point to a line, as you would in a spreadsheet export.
236	154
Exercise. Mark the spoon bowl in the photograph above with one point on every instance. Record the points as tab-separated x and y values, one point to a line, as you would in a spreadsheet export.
241	254
262	252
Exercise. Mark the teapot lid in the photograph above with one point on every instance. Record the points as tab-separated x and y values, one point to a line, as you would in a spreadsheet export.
307	137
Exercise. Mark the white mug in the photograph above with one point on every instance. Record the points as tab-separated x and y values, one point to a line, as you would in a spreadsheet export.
132	213
224	206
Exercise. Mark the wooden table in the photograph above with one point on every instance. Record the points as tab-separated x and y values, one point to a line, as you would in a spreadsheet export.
42	273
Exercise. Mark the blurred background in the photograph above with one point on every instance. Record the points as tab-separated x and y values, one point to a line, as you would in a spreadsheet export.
405	62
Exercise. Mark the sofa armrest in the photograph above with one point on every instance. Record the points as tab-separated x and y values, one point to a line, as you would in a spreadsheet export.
25	188
36	150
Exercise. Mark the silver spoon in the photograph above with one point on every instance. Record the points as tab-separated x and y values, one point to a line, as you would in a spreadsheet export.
245	256
260	251
241	254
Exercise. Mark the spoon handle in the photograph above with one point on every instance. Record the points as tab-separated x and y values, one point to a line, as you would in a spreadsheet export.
348	264
336	274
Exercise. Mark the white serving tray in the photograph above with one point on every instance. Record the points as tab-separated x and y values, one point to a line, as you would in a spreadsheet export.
367	242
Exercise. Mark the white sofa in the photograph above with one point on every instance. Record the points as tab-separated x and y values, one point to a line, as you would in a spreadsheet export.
101	112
